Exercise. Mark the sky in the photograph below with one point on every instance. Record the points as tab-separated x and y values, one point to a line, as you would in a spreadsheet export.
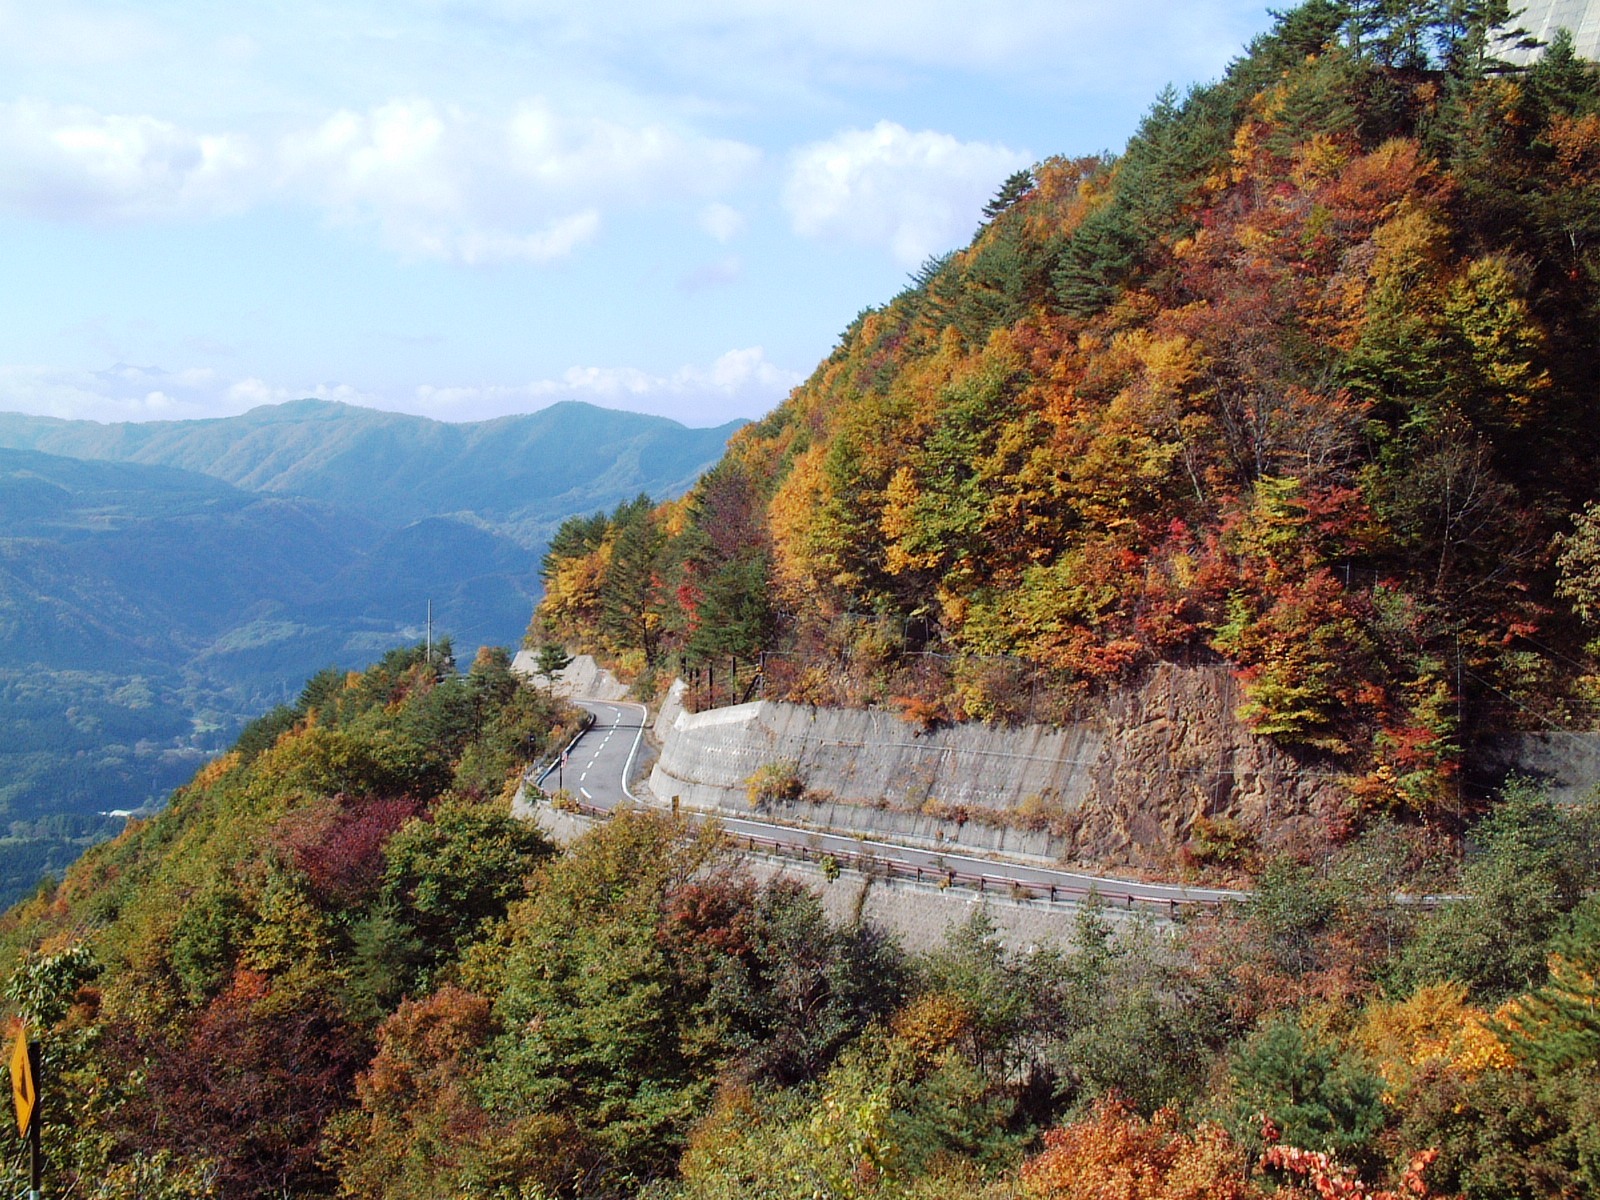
469	208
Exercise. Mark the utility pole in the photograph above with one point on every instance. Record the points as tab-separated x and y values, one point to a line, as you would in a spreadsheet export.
430	631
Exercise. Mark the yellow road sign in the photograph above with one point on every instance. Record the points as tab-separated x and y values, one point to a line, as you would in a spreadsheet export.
24	1092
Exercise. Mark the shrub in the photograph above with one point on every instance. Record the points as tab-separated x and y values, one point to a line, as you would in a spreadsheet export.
774	782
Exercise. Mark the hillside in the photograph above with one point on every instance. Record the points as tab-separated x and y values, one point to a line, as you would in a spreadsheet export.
334	965
1297	390
146	613
162	583
520	474
1300	384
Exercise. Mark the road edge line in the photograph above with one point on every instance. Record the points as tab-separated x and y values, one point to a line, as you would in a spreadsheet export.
627	767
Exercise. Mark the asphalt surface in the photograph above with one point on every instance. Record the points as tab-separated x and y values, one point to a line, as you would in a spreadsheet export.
599	763
597	766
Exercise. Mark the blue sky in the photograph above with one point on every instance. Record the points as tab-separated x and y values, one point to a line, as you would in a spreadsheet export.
465	208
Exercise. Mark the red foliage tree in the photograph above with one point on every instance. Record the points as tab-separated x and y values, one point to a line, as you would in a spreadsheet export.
249	1083
339	846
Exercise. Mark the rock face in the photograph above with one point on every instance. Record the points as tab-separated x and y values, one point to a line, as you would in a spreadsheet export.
582	677
1125	791
1172	752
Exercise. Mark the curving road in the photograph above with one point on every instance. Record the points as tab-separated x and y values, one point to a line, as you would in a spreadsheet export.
601	760
598	764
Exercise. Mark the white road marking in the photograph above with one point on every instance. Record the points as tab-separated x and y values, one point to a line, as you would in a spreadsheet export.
585	792
582	777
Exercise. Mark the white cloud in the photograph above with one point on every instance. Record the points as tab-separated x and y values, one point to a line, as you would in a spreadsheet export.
915	193
433	182
244	394
127	392
74	163
722	221
443	183
573	154
740	383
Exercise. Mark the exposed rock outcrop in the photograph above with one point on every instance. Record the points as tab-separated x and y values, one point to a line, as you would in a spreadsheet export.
1125	791
1173	751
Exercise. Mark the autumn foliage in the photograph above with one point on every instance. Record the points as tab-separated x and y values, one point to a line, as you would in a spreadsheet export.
1299	383
1114	1154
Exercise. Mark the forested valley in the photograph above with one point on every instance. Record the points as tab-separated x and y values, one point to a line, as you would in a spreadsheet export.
161	583
1301	384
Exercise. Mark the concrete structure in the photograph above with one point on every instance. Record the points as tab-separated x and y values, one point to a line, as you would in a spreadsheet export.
582	677
918	915
1119	795
872	773
1542	18
1567	764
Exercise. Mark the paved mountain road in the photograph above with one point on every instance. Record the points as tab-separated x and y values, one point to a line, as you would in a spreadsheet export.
599	763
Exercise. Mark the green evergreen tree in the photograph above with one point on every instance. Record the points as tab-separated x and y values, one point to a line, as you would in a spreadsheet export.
1558	1026
630	597
1017	185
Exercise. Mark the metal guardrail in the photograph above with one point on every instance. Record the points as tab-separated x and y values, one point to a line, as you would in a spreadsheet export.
1016	889
867	863
538	777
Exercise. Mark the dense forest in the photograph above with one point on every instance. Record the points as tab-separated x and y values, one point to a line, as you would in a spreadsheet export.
1302	382
336	966
162	582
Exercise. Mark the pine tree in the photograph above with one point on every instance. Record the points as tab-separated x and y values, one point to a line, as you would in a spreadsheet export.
1558	1027
1017	185
630	609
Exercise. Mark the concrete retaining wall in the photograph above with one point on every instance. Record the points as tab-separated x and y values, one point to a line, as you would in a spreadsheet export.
1568	764
583	677
919	915
871	773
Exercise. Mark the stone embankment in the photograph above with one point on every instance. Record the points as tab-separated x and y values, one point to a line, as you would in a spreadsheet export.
583	677
919	915
1124	792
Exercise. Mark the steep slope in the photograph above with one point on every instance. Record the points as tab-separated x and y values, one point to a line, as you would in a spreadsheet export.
334	966
1301	384
147	612
523	474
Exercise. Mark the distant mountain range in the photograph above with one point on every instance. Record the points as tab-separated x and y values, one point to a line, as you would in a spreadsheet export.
162	583
522	475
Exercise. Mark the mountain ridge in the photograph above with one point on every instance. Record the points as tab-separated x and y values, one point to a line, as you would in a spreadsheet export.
148	608
522	473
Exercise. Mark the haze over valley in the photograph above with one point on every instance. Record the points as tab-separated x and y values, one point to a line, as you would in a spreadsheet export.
161	584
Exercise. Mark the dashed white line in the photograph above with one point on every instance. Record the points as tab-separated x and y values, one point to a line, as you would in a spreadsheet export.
585	792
